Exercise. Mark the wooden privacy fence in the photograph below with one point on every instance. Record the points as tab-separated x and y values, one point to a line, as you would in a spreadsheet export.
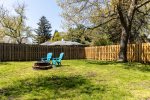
135	52
14	52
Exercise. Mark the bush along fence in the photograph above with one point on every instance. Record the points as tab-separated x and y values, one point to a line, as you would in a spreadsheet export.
135	52
23	52
14	52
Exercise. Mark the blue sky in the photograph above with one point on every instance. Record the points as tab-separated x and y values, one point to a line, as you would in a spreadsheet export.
37	8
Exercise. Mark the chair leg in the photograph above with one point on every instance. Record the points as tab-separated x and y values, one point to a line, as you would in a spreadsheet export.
57	63
54	62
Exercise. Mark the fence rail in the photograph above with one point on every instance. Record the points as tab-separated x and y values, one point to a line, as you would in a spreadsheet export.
14	52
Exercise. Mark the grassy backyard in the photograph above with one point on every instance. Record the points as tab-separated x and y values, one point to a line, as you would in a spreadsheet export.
75	80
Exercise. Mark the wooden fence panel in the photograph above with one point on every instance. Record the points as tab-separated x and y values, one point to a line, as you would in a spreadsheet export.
135	52
1	50
14	52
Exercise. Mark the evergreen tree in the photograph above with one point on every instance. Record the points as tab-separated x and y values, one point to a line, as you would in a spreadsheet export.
44	30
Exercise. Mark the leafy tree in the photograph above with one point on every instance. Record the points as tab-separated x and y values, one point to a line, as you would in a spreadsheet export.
78	34
131	15
128	12
14	26
99	39
44	30
81	35
102	40
56	36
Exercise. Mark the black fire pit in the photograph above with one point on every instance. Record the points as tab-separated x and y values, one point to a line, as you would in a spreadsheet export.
42	65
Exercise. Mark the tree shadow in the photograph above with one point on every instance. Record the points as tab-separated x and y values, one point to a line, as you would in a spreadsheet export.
58	84
137	66
128	65
102	62
62	65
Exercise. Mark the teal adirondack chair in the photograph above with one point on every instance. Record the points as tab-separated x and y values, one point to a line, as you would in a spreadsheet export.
47	58
57	60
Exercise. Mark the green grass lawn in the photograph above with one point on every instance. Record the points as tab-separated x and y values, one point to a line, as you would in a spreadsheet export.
75	80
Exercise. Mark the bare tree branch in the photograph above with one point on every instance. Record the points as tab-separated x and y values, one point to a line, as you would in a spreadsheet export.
141	5
102	24
14	26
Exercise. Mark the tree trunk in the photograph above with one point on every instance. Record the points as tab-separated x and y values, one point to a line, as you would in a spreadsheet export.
123	45
126	23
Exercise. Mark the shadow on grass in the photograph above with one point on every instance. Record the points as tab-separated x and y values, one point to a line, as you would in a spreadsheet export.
4	63
137	66
127	65
58	84
102	62
62	65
